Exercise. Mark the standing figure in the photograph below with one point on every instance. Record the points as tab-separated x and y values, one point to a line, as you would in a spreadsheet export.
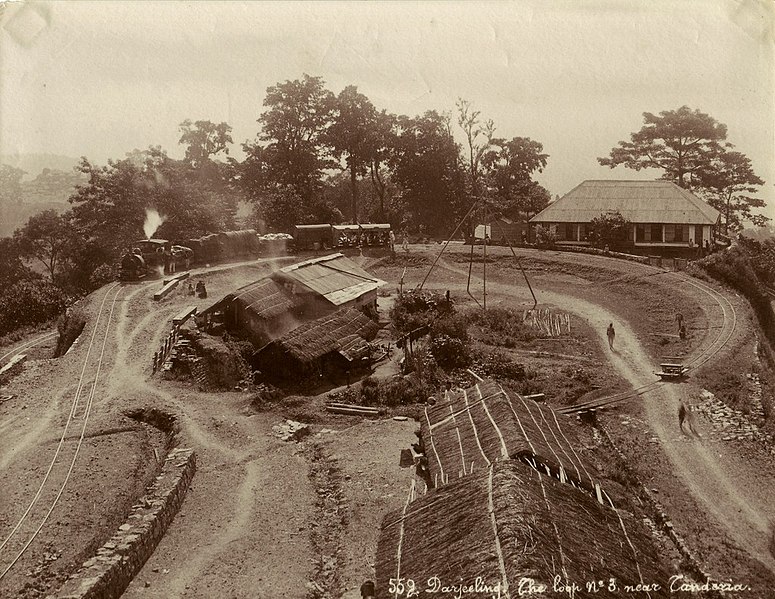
392	238
685	414
611	335
406	243
679	318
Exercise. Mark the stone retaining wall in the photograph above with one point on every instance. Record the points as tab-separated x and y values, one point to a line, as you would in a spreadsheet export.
107	574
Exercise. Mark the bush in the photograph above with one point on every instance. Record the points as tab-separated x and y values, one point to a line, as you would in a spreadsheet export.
370	393
499	365
501	326
454	326
405	390
734	267
545	237
30	303
417	308
104	273
450	352
608	229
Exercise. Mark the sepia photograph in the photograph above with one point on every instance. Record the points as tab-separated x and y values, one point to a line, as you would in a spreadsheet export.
387	299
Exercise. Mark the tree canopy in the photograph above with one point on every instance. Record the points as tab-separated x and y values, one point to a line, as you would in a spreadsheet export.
728	183
678	142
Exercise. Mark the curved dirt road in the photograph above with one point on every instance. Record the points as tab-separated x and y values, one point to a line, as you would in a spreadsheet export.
733	495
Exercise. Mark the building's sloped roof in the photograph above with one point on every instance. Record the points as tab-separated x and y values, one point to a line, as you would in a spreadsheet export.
486	423
264	299
506	523
335	277
314	339
637	201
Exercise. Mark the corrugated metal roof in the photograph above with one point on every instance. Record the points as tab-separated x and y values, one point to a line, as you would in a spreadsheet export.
637	201
335	277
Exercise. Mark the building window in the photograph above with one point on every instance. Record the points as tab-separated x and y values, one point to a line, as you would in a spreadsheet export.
682	233
669	233
656	233
642	233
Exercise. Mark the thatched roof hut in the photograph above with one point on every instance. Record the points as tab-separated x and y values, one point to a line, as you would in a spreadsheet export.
508	524
335	340
473	427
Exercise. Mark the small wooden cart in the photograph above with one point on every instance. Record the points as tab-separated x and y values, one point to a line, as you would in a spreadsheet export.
672	369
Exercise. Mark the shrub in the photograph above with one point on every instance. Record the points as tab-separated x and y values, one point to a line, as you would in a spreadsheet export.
405	390
608	229
499	365
454	326
734	267
416	308
30	303
501	326
104	273
450	352
545	237
370	393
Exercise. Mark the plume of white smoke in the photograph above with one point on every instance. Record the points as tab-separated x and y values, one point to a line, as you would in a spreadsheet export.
153	221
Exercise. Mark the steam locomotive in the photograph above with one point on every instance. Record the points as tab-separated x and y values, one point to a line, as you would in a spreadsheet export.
160	256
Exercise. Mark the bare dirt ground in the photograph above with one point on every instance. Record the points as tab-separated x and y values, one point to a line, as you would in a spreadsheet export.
266	518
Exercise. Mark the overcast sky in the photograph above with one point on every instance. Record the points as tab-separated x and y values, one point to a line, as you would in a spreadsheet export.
102	78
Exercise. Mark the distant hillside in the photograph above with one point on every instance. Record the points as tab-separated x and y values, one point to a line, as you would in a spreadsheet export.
34	164
20	200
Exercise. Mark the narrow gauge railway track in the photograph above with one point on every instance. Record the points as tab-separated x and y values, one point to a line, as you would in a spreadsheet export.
18	540
727	330
26	345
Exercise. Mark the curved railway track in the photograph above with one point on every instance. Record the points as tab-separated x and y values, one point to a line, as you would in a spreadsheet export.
727	330
17	541
26	345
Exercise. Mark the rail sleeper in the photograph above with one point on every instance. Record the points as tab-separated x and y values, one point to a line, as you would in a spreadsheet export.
117	562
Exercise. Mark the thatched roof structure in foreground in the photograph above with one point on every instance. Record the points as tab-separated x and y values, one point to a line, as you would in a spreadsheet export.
485	423
507	523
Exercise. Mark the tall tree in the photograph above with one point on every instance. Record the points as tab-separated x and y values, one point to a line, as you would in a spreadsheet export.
294	125
383	140
351	136
679	142
478	137
203	140
12	269
510	165
46	237
426	165
728	183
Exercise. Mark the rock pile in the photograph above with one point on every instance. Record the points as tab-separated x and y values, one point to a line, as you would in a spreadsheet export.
733	425
290	430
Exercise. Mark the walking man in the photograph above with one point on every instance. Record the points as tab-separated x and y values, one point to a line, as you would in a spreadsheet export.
611	334
685	414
